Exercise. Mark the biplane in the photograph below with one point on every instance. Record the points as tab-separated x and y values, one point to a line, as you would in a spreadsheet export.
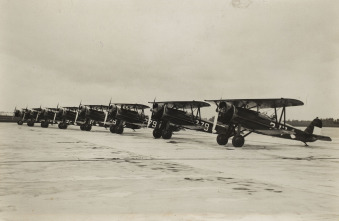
21	114
129	116
95	115
67	116
243	115
49	116
30	116
169	116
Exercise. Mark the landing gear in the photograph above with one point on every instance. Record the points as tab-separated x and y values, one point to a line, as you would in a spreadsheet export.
157	133
44	124
166	134
62	125
86	127
20	122
238	141
222	139
30	123
112	128
119	129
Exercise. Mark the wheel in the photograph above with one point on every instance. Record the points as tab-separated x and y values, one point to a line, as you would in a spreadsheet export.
44	124
238	141
112	128
20	122
82	127
119	129
30	123
157	133
166	134
222	139
88	127
62	125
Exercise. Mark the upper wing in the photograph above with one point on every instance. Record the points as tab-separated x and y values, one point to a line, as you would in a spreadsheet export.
262	103
137	106
97	106
53	108
184	104
72	108
37	109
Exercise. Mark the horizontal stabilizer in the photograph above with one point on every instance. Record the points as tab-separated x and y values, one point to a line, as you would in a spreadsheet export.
324	138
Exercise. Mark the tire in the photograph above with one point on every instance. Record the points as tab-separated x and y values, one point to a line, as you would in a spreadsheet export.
62	125
119	129
222	139
88	127
82	127
166	134
112	128
44	124
157	133
238	141
30	123
20	122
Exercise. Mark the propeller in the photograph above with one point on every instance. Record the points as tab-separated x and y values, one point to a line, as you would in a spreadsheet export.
14	113
79	105
155	105
110	102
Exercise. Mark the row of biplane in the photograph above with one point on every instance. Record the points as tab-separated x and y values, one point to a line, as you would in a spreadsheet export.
236	119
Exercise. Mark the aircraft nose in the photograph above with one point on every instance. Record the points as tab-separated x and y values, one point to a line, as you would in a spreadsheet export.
60	112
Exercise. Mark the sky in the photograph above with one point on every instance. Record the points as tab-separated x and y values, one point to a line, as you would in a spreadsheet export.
67	51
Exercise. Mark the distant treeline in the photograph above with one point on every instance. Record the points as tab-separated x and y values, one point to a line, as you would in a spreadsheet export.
327	122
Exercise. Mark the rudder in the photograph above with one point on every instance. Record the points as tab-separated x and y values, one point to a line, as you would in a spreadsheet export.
315	123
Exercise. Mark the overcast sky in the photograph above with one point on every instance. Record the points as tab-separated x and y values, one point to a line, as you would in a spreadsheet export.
135	50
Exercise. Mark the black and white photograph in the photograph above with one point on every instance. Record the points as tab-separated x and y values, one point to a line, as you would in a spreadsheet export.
184	110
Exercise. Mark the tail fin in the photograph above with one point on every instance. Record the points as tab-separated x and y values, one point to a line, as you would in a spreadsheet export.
315	123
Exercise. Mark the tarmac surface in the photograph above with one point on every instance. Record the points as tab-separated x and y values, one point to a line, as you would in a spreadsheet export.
54	174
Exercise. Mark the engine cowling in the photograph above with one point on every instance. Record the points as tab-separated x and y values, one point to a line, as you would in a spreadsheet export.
83	111
157	111
226	112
